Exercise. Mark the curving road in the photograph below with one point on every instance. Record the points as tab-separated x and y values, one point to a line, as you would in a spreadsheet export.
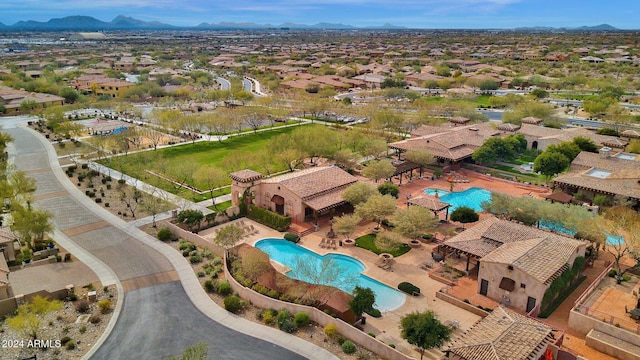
163	308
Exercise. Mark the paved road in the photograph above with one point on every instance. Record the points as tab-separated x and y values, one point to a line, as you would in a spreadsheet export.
247	86
224	83
160	315
134	337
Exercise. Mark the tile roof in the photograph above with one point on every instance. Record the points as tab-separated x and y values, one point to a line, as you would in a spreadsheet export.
537	252
430	202
541	258
245	175
502	335
315	181
623	180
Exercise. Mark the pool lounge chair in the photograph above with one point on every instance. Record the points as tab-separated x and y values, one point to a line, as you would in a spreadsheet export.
333	244
322	242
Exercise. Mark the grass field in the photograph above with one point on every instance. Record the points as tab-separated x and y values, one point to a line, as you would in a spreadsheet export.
169	161
480	100
369	242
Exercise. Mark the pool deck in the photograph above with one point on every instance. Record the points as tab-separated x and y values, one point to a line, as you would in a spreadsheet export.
406	267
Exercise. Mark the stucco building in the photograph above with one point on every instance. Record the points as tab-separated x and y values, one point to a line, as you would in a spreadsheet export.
302	195
516	263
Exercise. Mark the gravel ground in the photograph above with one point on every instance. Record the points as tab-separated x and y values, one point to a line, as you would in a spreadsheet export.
54	327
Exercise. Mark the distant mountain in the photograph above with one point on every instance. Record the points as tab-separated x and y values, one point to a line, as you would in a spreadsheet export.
233	25
601	27
87	23
387	26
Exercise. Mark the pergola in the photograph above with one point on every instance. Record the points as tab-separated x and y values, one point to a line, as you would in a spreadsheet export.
405	167
560	197
432	203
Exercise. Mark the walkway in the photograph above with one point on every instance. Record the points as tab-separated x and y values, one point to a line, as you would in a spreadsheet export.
158	316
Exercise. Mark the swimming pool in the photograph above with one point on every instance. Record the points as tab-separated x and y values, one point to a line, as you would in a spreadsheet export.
611	239
289	254
472	197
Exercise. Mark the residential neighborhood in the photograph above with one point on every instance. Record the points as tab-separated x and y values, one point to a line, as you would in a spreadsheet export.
320	193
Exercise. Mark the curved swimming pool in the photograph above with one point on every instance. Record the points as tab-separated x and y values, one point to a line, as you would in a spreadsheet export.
292	256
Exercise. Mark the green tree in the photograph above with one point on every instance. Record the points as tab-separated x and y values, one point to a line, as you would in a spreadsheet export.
376	208
379	169
346	224
569	149
414	221
421	157
191	218
30	225
585	144
345	158
359	192
228	236
623	224
424	330
363	300
464	215
550	163
389	188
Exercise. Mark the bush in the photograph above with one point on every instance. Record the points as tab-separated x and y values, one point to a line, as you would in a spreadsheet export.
409	288
372	335
82	329
65	340
105	305
301	319
73	297
287	326
82	306
70	345
165	234
201	274
294	238
224	288
331	330
340	340
269	218
612	273
374	312
282	316
210	286
95	319
195	259
233	304
626	277
269	316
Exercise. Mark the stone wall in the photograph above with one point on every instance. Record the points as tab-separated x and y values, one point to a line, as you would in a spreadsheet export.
195	238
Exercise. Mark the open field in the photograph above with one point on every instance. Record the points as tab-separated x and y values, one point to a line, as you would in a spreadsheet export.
180	162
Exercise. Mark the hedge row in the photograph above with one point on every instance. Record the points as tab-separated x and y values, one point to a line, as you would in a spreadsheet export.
409	288
269	218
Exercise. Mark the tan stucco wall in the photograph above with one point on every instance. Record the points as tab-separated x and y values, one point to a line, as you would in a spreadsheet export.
494	272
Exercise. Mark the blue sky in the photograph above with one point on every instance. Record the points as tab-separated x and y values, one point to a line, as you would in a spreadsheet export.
470	14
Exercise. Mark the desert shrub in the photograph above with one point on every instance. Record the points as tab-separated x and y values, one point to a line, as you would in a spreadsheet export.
301	319
341	340
201	274
409	288
73	297
216	261
294	238
195	259
65	340
283	315
165	234
210	286
331	330
82	306
626	277
372	334
287	326
105	305
95	319
233	304
82	329
70	345
224	288
612	273
269	317
348	347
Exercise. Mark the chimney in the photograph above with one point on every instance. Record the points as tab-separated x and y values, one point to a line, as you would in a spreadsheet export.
605	152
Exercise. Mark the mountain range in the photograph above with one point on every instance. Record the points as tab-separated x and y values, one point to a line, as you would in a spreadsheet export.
88	23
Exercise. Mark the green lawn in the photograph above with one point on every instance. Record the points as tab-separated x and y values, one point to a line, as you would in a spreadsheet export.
480	100
201	154
369	242
220	206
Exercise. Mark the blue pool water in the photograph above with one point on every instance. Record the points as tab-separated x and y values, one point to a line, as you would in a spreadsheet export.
433	192
289	254
471	197
611	239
